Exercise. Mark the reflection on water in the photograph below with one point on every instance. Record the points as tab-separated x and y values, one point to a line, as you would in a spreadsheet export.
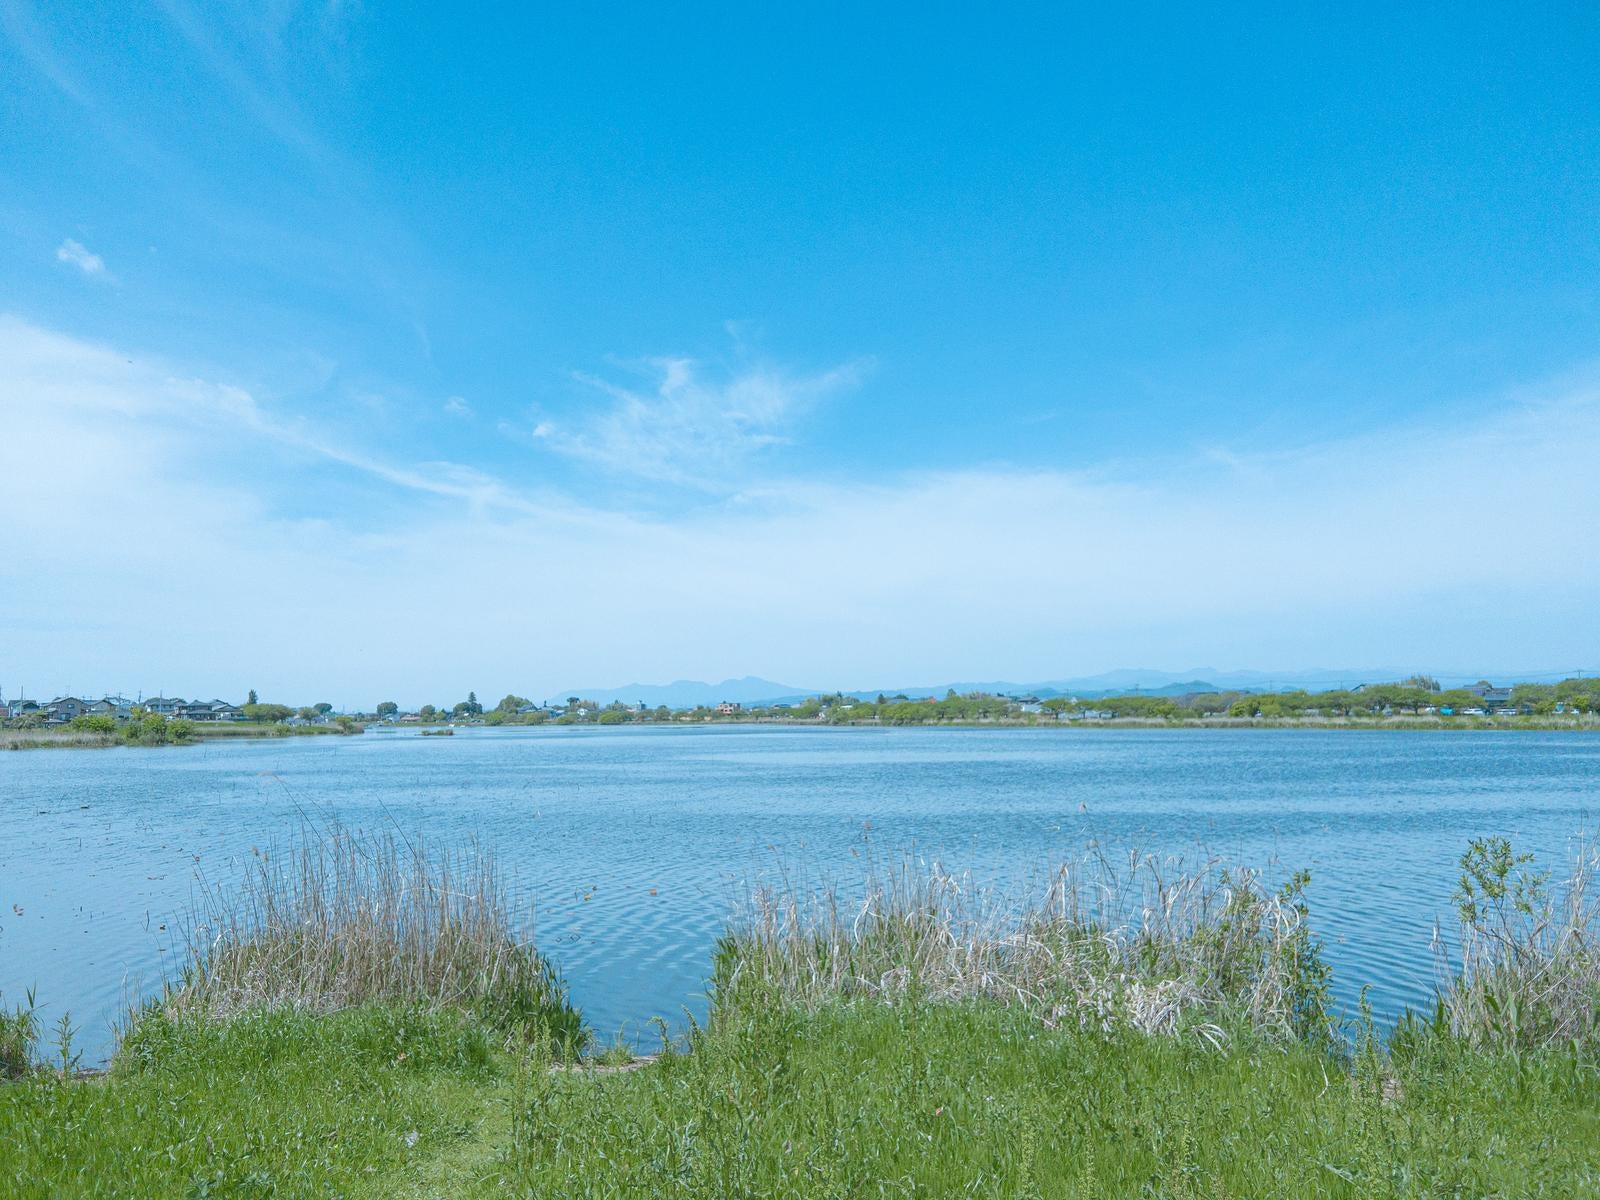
634	842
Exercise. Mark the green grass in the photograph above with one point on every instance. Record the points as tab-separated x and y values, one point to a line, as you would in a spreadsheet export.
973	1100
268	1105
849	1099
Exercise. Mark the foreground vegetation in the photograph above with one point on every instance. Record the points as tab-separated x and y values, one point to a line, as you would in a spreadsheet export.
914	1041
849	1099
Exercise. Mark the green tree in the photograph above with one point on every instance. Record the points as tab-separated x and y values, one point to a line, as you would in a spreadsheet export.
323	708
427	712
267	712
387	708
251	699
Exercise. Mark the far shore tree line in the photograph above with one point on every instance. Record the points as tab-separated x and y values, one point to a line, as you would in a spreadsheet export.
1418	697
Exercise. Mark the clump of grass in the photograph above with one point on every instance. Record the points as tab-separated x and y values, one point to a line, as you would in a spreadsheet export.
1528	975
1144	944
19	1034
343	919
52	739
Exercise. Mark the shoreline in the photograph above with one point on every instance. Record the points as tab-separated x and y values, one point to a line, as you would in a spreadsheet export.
76	739
69	739
1579	724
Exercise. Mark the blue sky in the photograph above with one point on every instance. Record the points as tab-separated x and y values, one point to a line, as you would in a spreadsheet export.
367	348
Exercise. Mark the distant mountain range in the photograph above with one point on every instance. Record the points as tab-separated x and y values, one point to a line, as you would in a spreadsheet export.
753	690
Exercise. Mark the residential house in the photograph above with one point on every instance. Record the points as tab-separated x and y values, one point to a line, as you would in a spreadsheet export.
63	709
1490	694
727	708
118	707
209	710
163	706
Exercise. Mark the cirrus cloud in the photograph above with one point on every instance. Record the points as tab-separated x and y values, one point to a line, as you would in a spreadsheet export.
75	254
687	427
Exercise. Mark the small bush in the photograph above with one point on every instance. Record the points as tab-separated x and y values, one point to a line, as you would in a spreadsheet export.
94	723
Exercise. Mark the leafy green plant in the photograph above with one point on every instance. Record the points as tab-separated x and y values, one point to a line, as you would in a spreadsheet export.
1529	969
19	1034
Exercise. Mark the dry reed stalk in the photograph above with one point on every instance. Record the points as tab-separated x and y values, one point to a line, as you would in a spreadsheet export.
344	918
1146	944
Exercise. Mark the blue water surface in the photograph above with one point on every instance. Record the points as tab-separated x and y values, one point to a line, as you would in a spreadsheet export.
633	842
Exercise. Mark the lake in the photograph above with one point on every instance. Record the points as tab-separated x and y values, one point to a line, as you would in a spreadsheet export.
633	842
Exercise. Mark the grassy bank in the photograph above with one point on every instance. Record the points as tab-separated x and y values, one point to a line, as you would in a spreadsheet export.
271	729
849	1099
1129	1032
55	739
155	731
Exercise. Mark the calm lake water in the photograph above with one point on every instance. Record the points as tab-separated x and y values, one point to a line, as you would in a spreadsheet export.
634	842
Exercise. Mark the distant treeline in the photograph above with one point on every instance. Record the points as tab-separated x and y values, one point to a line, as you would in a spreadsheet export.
1415	699
1418	697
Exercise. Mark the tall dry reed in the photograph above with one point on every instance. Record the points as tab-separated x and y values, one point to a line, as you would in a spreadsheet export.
343	918
1145	943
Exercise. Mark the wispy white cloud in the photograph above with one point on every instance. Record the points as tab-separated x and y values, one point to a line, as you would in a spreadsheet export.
687	427
75	254
94	381
1459	543
457	406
